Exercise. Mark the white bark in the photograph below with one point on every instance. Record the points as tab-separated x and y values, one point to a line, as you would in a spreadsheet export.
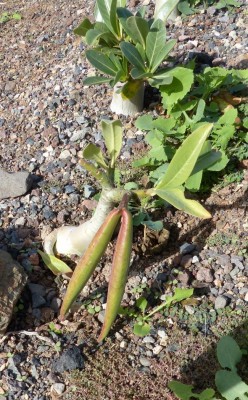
68	240
124	106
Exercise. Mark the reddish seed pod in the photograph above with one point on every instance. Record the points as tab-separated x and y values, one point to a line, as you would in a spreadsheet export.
90	259
119	272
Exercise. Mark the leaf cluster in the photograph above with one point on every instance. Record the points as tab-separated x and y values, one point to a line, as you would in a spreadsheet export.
214	98
125	47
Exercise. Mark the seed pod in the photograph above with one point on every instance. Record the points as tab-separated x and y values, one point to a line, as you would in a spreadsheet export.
90	259
119	271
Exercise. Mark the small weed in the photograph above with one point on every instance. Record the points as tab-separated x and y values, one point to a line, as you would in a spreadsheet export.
5	17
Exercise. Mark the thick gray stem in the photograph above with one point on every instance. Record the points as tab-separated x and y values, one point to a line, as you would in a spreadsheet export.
124	106
69	240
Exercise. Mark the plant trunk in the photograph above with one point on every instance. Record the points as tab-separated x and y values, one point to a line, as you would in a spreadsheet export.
68	240
125	106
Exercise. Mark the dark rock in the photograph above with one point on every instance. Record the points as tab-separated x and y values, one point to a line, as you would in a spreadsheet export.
12	282
187	248
69	360
14	184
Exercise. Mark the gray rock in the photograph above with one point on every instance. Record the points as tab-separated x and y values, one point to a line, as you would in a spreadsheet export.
221	302
12	281
145	362
78	135
88	191
187	248
14	184
37	288
204	275
37	300
69	360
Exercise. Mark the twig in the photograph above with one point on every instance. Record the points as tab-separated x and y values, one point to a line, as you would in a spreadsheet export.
28	333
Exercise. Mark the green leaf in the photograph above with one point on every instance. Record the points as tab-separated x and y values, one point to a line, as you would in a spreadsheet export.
156	48
141	329
101	62
193	183
112	133
137	28
184	160
221	163
137	73
228	359
185	8
16	16
153	225
95	80
131	186
107	10
230	385
83	28
164	8
175	196
132	54
94	153
182	81
144	122
184	392
56	265
141	303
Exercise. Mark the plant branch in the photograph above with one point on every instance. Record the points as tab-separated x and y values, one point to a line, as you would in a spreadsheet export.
99	175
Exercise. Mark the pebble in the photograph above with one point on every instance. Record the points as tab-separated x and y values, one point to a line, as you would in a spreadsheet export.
145	362
221	302
58	388
204	275
246	296
14	184
157	349
186	248
70	359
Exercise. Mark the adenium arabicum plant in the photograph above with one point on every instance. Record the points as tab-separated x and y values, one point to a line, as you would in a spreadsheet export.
90	239
128	50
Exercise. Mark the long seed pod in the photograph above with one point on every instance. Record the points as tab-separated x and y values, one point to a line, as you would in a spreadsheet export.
90	259
119	271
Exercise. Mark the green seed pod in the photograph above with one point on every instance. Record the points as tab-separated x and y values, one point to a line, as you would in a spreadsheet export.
90	259
119	271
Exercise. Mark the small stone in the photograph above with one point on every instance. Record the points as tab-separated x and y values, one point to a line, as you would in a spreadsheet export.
195	259
190	310
123	344
145	362
20	221
234	272
246	297
69	360
183	278
162	333
186	261
204	275
157	349
148	339
36	288
221	302
186	248
14	184
78	135
58	388
164	341
64	154
88	191
37	300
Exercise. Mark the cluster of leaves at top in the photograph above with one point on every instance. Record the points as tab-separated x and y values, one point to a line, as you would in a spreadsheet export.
229	384
127	48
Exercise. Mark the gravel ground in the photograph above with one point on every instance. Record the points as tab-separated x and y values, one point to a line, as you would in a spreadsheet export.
46	118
